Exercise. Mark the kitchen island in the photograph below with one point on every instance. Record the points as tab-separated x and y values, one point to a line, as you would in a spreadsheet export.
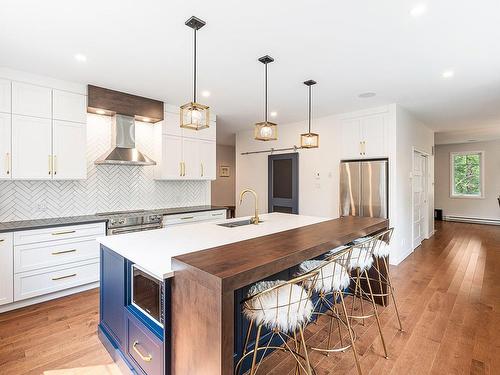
205	269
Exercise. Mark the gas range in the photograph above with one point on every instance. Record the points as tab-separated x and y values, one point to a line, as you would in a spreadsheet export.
131	221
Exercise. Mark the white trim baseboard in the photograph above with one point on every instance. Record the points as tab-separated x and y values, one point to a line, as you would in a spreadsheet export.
474	220
47	297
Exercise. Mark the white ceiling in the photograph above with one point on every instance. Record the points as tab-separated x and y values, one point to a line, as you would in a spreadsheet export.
349	47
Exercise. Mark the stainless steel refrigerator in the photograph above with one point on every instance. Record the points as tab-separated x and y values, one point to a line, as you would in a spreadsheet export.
364	189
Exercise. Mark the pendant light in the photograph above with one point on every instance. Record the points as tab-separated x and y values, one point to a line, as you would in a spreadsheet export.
266	131
195	116
309	140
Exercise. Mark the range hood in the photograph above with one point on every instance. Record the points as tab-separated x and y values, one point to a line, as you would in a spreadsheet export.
123	150
124	109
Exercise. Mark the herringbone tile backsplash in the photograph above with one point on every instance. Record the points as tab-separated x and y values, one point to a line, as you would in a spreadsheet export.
107	187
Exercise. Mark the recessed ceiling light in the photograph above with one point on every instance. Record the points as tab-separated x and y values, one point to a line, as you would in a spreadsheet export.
418	10
205	93
80	57
367	95
100	111
274	114
448	74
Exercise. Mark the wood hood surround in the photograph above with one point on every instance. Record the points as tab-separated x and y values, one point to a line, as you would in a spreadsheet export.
116	102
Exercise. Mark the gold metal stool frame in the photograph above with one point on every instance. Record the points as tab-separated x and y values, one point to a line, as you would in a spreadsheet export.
339	259
296	337
364	252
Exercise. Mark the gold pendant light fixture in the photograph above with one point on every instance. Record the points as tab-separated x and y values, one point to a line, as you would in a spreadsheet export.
309	140
195	116
266	131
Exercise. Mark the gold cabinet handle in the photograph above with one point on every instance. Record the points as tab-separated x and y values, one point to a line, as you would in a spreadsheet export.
7	163
202	169
64	252
180	168
187	218
63	277
145	358
1	240
50	165
183	169
65	232
54	164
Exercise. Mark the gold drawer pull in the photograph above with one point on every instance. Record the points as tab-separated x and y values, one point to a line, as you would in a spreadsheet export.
187	218
2	240
65	232
145	358
63	277
63	252
220	213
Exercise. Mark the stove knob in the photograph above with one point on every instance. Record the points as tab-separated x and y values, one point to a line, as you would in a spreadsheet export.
112	221
122	221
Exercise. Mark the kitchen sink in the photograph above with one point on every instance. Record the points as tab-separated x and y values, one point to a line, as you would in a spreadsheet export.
240	223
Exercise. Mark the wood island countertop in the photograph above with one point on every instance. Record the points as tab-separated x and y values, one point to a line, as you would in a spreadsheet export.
205	281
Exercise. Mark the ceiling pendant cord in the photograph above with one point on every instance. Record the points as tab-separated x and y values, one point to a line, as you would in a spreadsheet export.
309	109
266	106
194	80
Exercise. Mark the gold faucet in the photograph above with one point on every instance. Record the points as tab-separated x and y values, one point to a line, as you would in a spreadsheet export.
254	219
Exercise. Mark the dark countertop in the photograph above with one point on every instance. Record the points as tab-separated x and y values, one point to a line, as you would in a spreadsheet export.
14	226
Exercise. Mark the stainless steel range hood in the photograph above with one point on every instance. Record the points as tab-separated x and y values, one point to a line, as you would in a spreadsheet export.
123	150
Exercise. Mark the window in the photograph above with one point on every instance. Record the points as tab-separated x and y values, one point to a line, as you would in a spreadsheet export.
467	178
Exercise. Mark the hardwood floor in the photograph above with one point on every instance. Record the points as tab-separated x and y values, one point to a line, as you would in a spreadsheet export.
448	292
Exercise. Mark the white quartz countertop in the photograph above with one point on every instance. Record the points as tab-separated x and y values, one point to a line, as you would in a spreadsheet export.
153	250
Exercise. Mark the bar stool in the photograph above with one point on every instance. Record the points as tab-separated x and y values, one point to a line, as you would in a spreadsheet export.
283	307
381	252
333	279
361	261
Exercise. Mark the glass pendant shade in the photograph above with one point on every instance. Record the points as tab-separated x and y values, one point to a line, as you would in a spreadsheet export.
309	140
266	131
195	116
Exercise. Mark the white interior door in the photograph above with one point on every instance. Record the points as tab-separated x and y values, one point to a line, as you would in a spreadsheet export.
419	197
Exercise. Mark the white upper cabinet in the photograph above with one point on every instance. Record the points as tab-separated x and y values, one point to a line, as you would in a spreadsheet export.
69	150
68	106
6	268
5	146
184	154
191	158
350	139
169	159
5	96
207	150
31	100
31	148
374	136
364	137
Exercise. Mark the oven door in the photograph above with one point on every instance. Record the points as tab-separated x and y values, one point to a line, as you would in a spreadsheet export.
146	294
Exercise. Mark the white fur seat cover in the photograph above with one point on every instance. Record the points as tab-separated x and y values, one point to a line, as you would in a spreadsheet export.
381	249
337	249
332	276
360	259
284	308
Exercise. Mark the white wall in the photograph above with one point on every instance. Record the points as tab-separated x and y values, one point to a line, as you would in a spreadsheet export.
223	188
319	168
410	134
486	208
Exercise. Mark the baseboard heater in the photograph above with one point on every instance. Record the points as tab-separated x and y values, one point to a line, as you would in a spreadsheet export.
475	220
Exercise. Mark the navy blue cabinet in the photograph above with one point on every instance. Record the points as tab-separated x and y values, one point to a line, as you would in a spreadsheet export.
112	296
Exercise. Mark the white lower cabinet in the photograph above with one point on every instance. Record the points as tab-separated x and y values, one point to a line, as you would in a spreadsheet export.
38	262
35	283
192	217
6	268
